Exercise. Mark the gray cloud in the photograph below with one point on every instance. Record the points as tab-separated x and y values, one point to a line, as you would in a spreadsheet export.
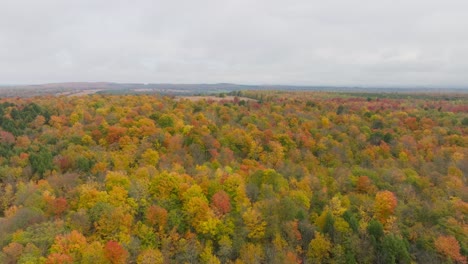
379	42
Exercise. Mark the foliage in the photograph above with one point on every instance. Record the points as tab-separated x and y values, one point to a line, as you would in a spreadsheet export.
270	177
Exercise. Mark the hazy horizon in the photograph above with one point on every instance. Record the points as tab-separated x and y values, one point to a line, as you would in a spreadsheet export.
304	43
94	84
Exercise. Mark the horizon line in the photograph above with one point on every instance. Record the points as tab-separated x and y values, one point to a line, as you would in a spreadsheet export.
353	86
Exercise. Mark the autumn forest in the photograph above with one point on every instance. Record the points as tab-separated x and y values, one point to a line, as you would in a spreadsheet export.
250	177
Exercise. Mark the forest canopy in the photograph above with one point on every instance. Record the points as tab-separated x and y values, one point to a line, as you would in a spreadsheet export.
256	177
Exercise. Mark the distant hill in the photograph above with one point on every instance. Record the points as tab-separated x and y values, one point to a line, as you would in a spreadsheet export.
70	88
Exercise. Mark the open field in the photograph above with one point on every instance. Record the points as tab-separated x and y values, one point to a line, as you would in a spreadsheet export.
196	98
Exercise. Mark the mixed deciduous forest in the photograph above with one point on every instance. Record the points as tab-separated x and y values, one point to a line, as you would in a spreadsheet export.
288	177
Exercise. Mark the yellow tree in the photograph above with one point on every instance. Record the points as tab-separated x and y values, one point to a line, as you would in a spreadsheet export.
207	255
72	244
94	253
115	225
319	248
255	224
150	157
150	256
252	254
384	206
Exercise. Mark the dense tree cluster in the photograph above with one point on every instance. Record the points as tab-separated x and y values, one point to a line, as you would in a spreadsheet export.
296	177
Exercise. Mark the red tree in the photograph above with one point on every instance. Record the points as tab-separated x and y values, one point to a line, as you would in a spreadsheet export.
115	253
220	203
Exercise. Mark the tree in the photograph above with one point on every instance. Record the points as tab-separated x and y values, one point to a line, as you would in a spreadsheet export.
449	247
207	255
72	245
165	121
115	224
150	256
319	249
394	250
363	184
41	161
384	206
115	253
57	258
13	252
156	216
57	206
198	212
252	254
375	229
220	203
119	179
7	138
326	223
94	253
225	248
255	224
114	133
150	157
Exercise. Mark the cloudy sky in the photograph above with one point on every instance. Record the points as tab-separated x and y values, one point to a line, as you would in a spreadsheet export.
303	42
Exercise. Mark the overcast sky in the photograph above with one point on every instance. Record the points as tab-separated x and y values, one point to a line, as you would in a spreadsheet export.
307	42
